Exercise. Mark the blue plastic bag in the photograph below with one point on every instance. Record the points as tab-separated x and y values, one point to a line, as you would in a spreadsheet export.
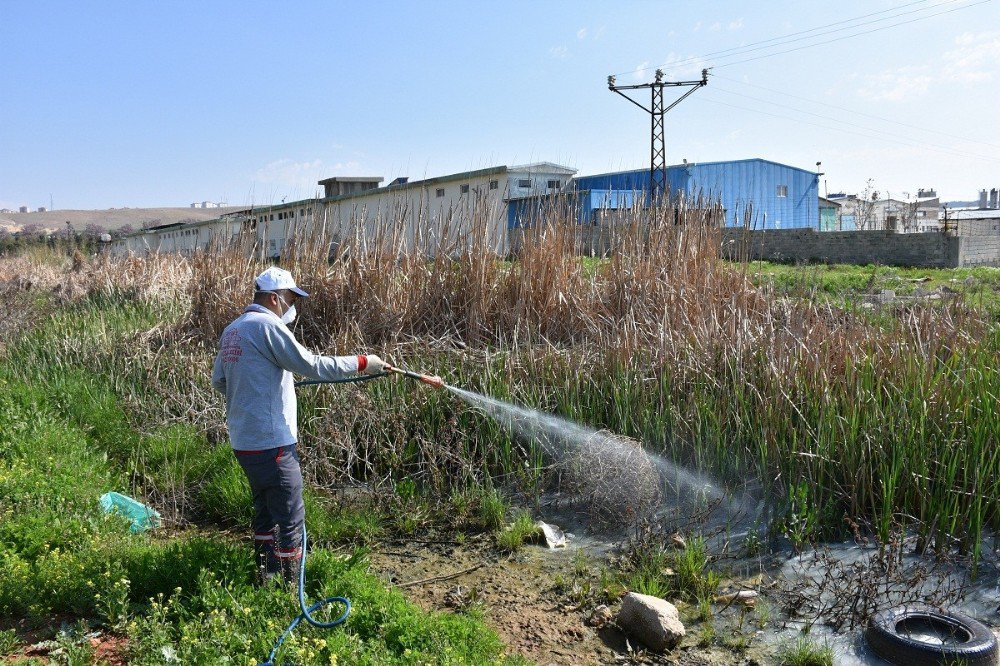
143	517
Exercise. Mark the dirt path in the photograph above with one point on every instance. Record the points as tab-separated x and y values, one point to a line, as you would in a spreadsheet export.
519	599
515	595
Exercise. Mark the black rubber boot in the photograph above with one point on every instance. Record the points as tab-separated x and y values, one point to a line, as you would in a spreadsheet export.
290	570
266	564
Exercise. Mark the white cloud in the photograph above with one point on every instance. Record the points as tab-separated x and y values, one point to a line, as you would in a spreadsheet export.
581	33
715	27
559	52
896	85
735	25
973	60
295	178
639	73
697	26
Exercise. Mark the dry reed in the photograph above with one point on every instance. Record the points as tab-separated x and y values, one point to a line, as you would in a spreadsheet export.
798	393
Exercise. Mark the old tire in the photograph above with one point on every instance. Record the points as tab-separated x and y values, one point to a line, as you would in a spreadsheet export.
918	635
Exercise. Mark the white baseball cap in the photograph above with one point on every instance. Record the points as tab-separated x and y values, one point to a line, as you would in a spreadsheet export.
275	278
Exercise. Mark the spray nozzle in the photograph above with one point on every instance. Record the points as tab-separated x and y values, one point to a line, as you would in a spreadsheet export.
431	380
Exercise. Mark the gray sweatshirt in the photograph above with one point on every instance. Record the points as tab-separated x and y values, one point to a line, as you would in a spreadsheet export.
257	356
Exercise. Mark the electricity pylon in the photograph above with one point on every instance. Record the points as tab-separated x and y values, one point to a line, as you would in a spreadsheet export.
656	111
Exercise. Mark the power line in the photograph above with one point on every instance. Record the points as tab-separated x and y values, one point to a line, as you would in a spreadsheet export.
878	136
784	39
828	25
857	34
746	48
854	111
863	127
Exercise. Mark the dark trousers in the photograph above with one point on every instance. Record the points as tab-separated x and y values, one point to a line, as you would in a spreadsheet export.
276	484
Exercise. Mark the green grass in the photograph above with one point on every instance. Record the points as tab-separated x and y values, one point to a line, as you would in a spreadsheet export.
876	438
846	284
804	652
900	432
520	531
8	642
65	439
660	571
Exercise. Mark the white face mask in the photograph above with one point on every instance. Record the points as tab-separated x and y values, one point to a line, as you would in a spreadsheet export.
289	315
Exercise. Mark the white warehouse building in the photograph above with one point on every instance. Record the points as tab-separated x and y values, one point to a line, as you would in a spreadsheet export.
356	209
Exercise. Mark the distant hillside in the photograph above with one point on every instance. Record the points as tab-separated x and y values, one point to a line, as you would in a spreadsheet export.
113	218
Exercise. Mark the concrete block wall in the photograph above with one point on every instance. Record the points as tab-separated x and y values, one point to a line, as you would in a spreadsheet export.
980	251
930	250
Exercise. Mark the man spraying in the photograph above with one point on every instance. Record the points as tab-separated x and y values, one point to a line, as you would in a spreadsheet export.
257	356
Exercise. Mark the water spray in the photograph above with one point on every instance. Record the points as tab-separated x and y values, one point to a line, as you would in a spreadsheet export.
621	478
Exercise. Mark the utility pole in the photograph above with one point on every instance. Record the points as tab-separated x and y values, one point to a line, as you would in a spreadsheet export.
656	111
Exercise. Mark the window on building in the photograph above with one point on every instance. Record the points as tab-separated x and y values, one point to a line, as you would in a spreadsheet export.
302	212
524	182
272	218
782	190
494	184
465	188
554	184
439	192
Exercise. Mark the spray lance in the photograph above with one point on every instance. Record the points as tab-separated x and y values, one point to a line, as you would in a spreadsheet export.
306	611
430	380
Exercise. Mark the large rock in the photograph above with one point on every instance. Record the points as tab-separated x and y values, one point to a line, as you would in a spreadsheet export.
652	621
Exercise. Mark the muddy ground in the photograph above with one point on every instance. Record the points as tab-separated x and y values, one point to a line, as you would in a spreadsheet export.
518	596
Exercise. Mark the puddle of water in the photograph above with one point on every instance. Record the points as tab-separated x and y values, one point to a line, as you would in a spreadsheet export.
805	571
725	519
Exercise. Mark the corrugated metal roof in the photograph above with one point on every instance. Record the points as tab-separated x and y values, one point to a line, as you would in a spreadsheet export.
543	167
979	214
465	175
351	179
705	164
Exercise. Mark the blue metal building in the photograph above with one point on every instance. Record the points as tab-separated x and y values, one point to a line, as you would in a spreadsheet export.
772	195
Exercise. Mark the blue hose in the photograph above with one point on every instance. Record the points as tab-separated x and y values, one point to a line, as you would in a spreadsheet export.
307	612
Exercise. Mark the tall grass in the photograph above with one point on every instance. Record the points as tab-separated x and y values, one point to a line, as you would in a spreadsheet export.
65	438
890	419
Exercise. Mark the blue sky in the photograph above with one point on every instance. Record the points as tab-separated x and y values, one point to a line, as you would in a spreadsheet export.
110	104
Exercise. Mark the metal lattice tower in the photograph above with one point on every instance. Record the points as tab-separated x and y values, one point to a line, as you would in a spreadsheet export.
656	111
